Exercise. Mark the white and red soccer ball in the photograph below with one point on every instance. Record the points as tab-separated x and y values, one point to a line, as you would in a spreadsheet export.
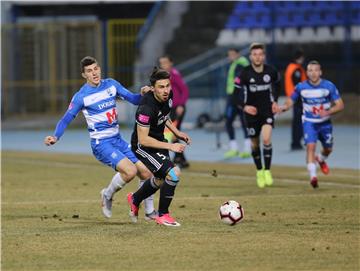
231	212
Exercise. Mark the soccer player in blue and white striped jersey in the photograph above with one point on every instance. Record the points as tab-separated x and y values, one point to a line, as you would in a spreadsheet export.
97	101
320	99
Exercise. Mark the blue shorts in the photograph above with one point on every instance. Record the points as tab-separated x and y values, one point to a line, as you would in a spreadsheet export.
318	131
112	150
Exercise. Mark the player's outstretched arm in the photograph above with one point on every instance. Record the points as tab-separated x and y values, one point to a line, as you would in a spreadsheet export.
60	129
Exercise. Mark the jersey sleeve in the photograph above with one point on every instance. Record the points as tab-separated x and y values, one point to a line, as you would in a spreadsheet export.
296	94
334	93
240	89
125	94
75	106
276	84
144	115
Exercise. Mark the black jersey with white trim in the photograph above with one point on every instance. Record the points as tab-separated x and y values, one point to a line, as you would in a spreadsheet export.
259	89
153	114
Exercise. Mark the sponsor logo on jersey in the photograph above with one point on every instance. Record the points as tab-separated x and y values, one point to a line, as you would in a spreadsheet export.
111	116
254	88
106	104
266	78
143	118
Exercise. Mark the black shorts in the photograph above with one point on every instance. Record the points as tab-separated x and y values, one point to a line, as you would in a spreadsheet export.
254	125
156	160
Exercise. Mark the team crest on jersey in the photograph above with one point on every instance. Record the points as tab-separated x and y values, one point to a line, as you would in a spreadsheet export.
269	120
109	91
170	103
266	78
252	80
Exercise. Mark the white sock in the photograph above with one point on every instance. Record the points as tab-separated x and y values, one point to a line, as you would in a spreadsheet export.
115	185
233	145
312	169
148	202
247	145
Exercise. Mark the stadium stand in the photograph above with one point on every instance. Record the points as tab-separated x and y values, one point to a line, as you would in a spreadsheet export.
291	21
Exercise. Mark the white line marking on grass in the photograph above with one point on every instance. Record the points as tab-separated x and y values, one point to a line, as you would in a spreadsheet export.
197	174
293	181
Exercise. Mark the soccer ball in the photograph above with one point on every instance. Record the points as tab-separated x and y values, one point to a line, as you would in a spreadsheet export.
231	212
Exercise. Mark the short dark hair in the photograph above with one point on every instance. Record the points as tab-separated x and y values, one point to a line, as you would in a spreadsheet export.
234	49
314	62
257	45
86	61
158	74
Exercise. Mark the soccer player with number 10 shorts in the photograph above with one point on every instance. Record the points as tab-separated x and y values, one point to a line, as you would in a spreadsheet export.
320	100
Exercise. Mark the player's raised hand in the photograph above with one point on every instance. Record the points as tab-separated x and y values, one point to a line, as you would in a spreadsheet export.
177	147
50	140
251	110
145	89
184	137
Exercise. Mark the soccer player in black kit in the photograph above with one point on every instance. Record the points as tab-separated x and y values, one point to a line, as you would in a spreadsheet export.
150	147
257	86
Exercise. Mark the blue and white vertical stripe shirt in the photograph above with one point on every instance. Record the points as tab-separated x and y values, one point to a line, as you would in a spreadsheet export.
315	99
98	105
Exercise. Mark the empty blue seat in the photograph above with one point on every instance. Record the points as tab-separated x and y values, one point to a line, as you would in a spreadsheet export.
305	5
336	4
355	17
282	20
354	5
264	21
313	19
331	19
242	6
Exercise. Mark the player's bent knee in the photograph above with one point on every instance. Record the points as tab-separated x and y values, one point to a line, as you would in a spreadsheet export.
174	174
128	173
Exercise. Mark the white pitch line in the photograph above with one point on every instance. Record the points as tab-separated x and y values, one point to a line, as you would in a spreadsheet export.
341	185
196	174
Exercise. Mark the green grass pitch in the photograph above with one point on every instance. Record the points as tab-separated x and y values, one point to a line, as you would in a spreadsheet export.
51	219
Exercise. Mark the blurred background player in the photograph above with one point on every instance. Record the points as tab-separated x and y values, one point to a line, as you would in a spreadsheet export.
258	86
151	147
320	100
178	110
97	100
294	74
238	62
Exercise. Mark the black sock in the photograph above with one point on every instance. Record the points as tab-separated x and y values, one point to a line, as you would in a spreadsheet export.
147	189
167	192
267	153
257	158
